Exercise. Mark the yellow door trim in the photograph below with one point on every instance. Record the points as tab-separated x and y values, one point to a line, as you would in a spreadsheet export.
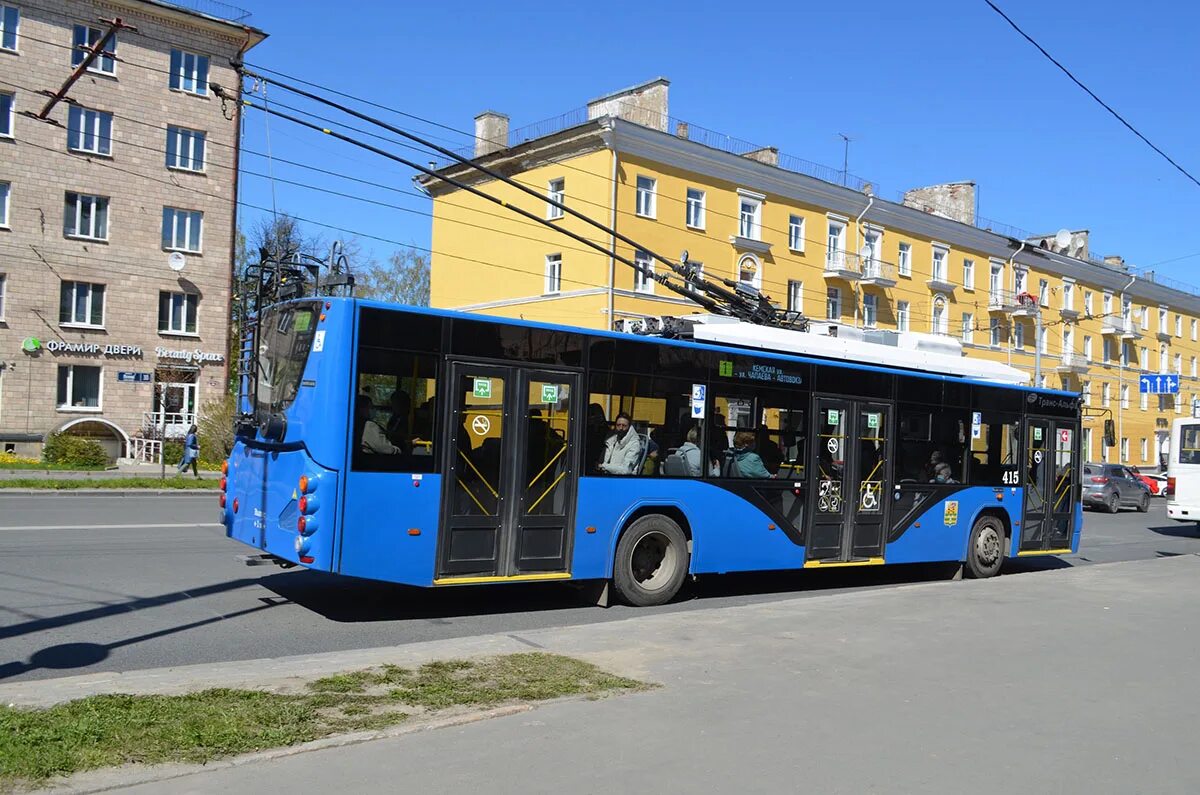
1030	552
550	575
815	564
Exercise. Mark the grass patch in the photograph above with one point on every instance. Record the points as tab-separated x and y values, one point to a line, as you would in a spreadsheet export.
42	466
103	731
171	482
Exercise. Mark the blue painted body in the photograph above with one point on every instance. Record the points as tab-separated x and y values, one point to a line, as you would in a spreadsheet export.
384	526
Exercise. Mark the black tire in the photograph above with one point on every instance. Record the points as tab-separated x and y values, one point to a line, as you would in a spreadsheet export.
1144	505
985	550
651	563
1114	504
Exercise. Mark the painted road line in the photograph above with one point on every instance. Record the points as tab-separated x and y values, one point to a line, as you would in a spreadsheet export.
106	526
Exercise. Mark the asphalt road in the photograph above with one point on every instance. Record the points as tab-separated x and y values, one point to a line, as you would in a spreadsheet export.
106	583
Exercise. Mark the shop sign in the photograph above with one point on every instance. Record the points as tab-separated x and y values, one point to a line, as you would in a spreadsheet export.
191	357
93	348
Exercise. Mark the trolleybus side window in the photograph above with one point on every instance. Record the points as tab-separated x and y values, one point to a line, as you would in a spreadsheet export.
395	411
660	411
929	449
775	419
993	459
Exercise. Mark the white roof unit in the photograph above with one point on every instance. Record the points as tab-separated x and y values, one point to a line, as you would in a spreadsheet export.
927	352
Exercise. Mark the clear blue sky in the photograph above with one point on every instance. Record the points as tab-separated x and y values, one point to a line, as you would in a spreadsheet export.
930	92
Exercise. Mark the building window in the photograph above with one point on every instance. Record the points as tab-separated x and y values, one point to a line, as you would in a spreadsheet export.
1124	449
89	131
996	283
555	194
997	333
1105	395
1193	330
1018	335
78	386
870	310
795	301
1179	364
189	72
643	276
750	271
1178	325
553	273
1162	320
968	274
85	216
83	39
7	102
4	290
1043	340
939	264
1145	451
1087	302
1043	292
835	240
902	316
1086	388
1068	341
968	327
1178	403
1124	396
10	23
1144	358
833	303
1087	347
750	218
1143	401
1193	365
904	260
5	188
796	232
81	304
646	196
185	149
1068	296
181	229
177	312
695	208
1162	358
939	322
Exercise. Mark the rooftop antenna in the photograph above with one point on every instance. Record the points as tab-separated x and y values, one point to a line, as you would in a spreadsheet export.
846	139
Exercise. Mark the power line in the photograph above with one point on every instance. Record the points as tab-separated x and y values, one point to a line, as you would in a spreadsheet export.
1091	93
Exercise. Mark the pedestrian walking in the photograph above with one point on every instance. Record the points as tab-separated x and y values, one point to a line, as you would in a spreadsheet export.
191	453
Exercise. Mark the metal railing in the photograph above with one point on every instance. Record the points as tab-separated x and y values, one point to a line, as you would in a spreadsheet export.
837	261
212	8
1116	325
145	450
167	424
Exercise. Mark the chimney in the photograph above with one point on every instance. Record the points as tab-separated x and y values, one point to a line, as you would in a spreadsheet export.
644	104
1114	261
767	154
953	200
491	133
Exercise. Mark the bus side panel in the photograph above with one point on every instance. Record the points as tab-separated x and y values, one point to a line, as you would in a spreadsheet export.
942	532
319	416
728	533
382	511
1078	534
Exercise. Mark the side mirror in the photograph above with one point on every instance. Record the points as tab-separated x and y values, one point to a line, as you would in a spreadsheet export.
1110	434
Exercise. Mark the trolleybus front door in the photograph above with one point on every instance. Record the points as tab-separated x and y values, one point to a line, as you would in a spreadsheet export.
1049	480
851	464
510	481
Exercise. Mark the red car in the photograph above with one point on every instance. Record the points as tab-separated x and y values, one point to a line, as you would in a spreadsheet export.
1153	482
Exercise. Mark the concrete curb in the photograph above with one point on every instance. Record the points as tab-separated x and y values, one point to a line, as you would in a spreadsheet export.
109	492
108	779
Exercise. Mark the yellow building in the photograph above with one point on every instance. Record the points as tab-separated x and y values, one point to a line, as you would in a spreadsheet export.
830	251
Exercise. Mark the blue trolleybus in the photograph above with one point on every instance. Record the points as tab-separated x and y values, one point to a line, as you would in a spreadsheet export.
436	448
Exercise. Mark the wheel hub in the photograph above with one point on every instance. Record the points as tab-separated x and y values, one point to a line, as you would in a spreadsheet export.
987	546
652	561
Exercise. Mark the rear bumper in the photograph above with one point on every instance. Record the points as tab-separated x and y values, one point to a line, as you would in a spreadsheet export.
1182	513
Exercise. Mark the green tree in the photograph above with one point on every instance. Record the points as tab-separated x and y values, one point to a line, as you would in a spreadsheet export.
403	279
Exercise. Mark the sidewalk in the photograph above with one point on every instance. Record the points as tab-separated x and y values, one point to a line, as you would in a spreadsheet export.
1076	680
121	471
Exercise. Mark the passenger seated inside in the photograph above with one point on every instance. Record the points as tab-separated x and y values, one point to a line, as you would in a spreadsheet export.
623	449
398	432
372	438
742	461
686	459
943	474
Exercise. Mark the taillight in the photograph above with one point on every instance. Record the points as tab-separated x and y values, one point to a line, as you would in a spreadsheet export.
224	482
222	500
1100	480
235	504
302	523
1171	483
304	504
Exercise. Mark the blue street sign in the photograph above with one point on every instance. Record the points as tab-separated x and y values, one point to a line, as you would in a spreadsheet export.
126	377
1159	384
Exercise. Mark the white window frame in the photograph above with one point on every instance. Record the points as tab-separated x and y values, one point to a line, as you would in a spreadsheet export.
1106	305
103	64
795	297
1179	364
189	217
833	303
937	264
1145	451
1193	362
749	220
1018	335
1163	320
1143	400
96	203
835	243
1124	450
1162	357
870	310
646	197
556	191
1043	292
1106	395
1178	325
642	282
552	284
1020	280
5	12
1043	341
1144	358
968	328
180	75
796	233
91	126
939	315
196	141
5	193
968	280
1087	347
87	321
1194	324
1088	302
903	316
1124	396
4	296
995	332
1068	296
9	119
756	281
99	407
187	312
695	209
904	259
1085	387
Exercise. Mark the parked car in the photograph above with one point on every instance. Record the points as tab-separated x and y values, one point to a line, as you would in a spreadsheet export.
1154	481
1112	486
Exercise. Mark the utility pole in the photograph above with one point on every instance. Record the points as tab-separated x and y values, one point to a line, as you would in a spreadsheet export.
93	52
845	157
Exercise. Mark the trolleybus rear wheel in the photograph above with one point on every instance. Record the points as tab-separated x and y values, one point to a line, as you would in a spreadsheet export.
651	562
985	552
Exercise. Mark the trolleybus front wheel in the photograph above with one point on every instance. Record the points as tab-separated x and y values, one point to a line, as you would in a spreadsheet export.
651	562
985	552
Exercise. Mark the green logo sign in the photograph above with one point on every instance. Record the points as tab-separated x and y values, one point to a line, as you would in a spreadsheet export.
872	420
726	368
483	387
831	416
549	393
31	344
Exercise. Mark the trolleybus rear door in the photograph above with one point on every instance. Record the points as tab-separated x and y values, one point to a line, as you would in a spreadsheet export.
851	466
1049	481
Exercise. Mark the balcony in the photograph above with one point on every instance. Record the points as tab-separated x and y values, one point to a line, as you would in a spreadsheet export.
1069	313
1119	327
941	283
1001	301
840	265
1025	305
1072	363
877	273
1163	335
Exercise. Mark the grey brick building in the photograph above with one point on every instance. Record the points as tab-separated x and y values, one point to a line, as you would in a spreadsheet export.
116	218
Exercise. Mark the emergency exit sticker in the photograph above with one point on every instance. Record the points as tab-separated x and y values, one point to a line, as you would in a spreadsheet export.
483	388
1037	434
872	420
549	393
831	416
